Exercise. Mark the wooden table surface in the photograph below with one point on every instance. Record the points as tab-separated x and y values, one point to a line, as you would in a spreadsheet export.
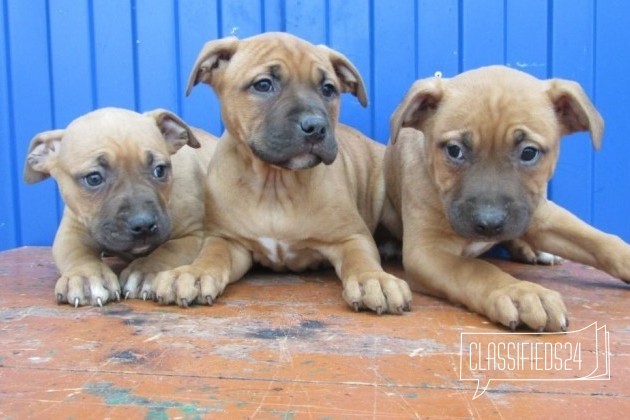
282	346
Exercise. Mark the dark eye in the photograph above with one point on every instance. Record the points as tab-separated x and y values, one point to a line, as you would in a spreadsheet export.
263	85
93	179
159	171
530	155
329	90
455	152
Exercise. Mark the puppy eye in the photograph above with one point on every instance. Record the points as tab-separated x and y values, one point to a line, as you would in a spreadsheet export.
530	155
160	171
454	152
93	179
329	90
263	86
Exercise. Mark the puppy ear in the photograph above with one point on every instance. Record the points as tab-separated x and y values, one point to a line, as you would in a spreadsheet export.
574	110
348	75
419	103
175	131
41	155
212	58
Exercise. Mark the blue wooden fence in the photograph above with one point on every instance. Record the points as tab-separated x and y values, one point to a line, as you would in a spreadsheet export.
62	58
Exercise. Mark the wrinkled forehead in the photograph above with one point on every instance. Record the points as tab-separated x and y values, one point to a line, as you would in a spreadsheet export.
117	136
497	110
282	55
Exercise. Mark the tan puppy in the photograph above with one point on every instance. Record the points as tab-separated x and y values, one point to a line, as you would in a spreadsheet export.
124	195
289	187
478	176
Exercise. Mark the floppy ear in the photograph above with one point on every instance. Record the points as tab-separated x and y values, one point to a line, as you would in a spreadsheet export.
41	155
419	103
175	131
211	60
574	110
348	75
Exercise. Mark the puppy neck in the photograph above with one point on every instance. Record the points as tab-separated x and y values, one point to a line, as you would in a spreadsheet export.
268	182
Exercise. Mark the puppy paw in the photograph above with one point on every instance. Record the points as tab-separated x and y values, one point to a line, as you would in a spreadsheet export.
379	292
522	252
525	303
91	284
187	284
138	279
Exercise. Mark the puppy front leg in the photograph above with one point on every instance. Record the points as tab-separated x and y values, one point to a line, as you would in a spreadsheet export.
138	279
85	278
559	232
483	288
219	263
365	283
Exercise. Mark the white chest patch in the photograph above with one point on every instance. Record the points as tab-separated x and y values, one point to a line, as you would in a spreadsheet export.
475	249
278	252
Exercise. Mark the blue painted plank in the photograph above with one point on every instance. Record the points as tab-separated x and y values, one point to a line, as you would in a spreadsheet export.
198	24
526	36
307	19
483	33
612	94
157	79
113	44
273	15
9	218
572	57
70	54
350	34
241	18
438	38
31	79
394	60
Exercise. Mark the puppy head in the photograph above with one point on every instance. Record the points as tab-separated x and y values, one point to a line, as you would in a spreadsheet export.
113	171
279	95
492	141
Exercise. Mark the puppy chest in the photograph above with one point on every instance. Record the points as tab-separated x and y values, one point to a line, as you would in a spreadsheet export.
284	255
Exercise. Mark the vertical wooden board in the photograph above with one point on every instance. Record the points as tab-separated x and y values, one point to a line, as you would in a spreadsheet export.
273	15
438	38
198	24
394	60
70	53
526	36
70	56
349	23
157	80
113	50
241	18
8	165
31	80
572	55
483	33
612	94
308	19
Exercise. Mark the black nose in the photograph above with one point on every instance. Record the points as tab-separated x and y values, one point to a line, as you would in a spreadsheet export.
314	127
489	221
142	224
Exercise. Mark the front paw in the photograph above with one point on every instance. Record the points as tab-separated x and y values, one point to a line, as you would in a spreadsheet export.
138	279
377	291
527	303
94	284
187	284
521	251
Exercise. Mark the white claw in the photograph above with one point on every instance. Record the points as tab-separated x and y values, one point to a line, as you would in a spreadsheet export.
99	301
127	294
118	295
76	302
144	295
